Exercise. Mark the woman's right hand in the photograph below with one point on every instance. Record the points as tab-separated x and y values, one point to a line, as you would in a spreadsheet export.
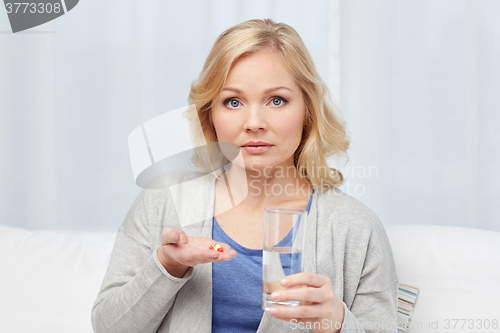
178	251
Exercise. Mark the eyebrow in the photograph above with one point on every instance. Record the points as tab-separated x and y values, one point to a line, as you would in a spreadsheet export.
270	90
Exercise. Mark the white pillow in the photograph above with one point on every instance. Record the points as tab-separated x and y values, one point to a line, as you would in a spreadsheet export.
457	271
50	279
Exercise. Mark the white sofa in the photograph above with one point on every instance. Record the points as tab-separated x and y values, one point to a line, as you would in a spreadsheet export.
49	279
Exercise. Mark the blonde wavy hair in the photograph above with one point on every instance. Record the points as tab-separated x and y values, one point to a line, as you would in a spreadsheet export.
324	132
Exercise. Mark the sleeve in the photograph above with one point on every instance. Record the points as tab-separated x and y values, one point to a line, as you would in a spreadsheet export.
374	305
137	291
386	321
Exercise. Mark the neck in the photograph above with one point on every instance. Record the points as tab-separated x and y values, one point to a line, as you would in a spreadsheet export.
260	186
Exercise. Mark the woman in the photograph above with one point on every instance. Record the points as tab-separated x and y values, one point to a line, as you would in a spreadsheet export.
258	90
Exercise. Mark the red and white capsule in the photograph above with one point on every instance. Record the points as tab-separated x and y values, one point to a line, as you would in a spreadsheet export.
216	247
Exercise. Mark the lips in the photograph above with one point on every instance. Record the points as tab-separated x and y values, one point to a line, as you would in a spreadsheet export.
256	144
257	147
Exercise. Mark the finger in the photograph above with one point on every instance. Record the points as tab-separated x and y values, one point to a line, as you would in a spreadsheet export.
226	255
197	255
205	243
305	294
303	312
305	279
225	248
194	255
183	238
172	235
193	250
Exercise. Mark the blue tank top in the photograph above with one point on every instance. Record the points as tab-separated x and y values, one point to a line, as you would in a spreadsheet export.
237	287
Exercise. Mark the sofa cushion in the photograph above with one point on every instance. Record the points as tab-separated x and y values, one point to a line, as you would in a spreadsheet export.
457	271
50	279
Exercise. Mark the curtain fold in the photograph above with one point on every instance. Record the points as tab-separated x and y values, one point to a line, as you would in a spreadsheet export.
418	88
73	89
417	83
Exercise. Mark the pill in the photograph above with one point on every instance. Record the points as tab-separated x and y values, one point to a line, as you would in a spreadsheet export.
216	247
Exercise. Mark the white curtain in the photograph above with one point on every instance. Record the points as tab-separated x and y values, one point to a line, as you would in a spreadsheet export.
419	89
417	83
73	89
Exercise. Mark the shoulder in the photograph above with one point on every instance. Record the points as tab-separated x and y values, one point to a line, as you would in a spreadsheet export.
350	222
345	211
356	231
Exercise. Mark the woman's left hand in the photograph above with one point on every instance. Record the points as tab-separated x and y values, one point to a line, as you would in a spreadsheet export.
319	304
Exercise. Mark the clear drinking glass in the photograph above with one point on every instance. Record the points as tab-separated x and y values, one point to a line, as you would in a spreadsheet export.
284	241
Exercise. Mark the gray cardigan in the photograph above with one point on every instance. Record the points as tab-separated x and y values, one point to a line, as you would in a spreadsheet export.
345	241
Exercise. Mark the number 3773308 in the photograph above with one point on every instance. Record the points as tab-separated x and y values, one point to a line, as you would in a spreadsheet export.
32	8
472	324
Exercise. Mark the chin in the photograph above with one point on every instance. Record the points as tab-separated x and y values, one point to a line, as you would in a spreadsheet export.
261	164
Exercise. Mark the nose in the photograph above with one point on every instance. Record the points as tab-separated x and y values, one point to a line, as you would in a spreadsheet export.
255	119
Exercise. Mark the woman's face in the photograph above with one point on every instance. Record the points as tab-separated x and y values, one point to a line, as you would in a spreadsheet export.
261	109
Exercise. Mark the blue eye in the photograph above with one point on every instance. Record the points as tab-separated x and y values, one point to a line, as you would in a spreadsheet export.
232	103
277	101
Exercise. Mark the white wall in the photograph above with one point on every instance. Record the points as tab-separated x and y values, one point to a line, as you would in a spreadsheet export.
73	89
416	81
419	88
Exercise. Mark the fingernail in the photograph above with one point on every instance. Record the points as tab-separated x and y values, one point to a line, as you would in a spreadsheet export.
285	282
275	296
273	311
